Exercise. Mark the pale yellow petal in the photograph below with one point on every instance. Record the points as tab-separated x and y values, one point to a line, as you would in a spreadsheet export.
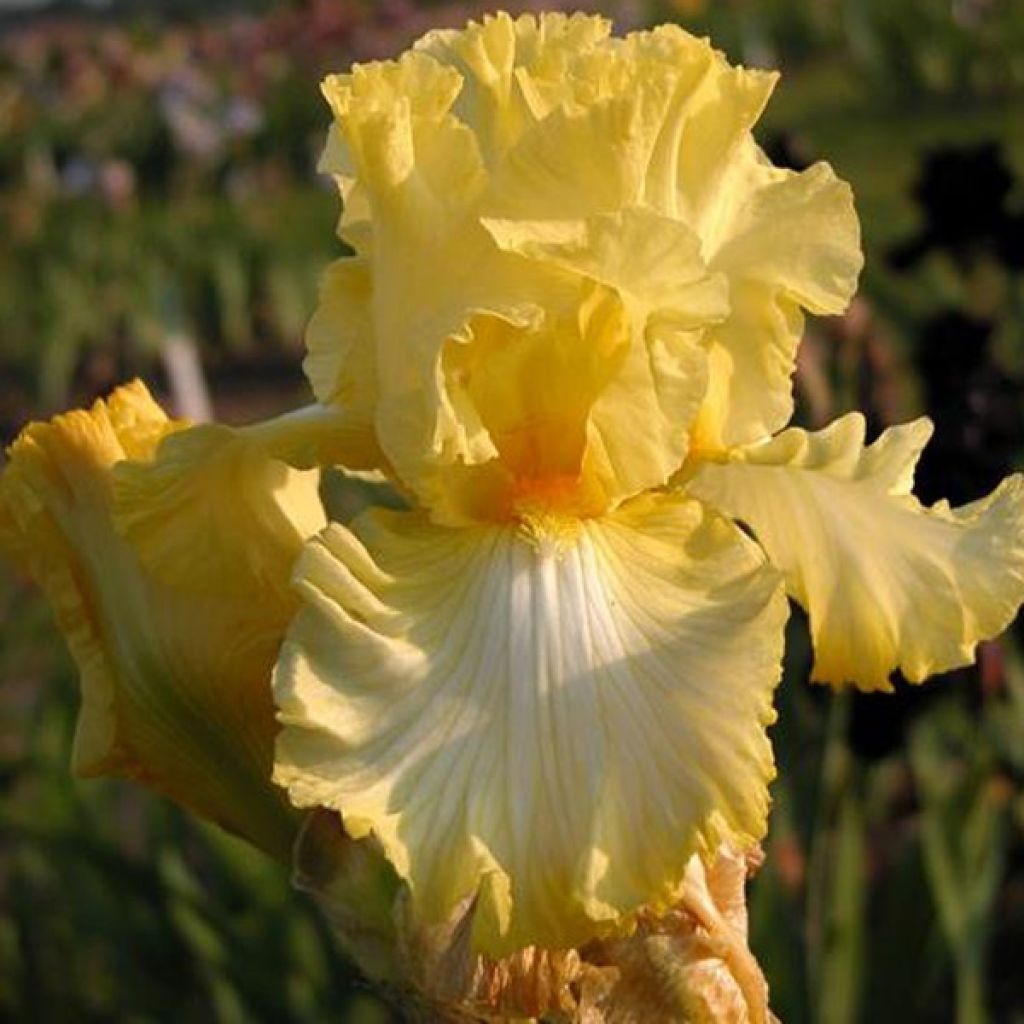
654	262
786	242
888	583
54	485
692	171
653	119
419	167
751	360
430	267
175	684
638	427
799	233
639	422
187	508
667	129
551	724
507	64
578	162
341	359
489	171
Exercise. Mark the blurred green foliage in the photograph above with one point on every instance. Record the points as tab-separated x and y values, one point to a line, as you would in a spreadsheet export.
159	180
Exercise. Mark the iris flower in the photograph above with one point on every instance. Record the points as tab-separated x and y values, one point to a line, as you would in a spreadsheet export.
565	335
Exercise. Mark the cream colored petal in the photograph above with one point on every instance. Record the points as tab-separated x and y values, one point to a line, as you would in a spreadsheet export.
550	724
888	583
175	683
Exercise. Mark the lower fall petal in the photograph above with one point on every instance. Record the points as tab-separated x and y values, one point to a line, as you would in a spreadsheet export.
216	511
888	584
175	683
549	725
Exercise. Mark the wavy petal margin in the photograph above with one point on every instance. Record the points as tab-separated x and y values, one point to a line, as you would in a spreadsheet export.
888	583
490	170
786	242
175	681
548	725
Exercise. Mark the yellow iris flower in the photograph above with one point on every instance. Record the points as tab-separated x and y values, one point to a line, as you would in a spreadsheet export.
569	326
175	665
566	335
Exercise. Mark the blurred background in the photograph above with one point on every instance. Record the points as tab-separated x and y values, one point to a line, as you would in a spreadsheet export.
160	216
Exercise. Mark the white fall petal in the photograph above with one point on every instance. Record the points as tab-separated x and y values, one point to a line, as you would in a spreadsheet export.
551	726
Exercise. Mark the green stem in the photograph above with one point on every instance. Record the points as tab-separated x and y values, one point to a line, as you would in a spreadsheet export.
834	765
970	990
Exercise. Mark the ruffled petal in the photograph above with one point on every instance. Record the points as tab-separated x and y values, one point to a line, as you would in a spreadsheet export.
786	242
175	682
888	583
428	267
638	424
653	119
547	724
510	67
341	359
654	262
488	173
182	508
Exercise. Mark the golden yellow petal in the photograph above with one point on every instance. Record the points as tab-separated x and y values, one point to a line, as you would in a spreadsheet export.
175	683
53	489
548	724
888	584
214	512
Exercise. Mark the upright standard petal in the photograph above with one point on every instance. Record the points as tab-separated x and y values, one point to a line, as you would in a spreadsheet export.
638	423
547	724
341	361
786	242
888	584
175	680
512	69
493	177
